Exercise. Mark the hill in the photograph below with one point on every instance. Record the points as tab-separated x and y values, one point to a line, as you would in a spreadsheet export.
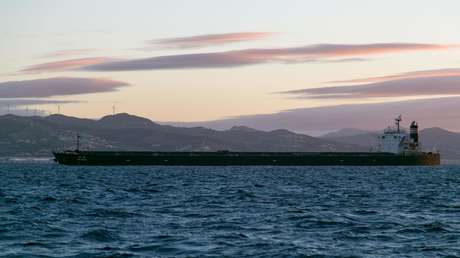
345	132
38	136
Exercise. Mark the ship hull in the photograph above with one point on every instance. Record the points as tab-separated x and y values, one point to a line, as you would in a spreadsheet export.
114	158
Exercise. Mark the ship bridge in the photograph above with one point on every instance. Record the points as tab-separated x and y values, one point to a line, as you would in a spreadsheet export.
396	140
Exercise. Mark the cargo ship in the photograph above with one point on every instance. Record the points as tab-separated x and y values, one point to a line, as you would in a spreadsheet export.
396	148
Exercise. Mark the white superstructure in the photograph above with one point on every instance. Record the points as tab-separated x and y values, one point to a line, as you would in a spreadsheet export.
397	140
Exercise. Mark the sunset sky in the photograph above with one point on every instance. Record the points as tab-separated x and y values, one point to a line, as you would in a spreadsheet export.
190	61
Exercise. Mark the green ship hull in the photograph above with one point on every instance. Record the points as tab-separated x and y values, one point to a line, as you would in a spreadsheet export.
225	158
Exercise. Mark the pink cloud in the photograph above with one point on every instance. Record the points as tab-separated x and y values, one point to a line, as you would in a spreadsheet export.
415	74
323	53
338	51
58	86
66	65
70	52
412	84
209	39
312	53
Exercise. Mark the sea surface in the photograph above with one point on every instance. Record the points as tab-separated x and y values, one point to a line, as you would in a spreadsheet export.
47	210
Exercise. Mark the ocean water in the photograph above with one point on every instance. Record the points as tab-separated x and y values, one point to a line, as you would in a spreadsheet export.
48	210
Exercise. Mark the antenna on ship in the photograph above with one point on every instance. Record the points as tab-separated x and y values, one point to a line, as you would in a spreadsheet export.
398	121
78	142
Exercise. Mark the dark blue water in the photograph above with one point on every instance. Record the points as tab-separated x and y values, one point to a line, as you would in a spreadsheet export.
48	210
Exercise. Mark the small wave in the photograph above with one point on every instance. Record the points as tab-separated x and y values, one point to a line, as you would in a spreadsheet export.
232	236
150	190
111	213
410	230
365	212
431	248
244	194
100	255
22	255
157	248
436	227
76	200
225	226
144	248
48	199
323	224
300	216
100	235
198	215
35	244
9	200
133	190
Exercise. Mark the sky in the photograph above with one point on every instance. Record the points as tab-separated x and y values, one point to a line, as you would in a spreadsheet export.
205	60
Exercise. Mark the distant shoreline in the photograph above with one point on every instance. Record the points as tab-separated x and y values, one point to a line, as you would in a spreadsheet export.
48	159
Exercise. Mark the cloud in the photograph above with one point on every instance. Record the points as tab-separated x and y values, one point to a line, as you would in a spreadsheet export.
323	53
442	112
415	74
70	52
209	40
312	53
410	86
346	60
66	65
188	61
42	88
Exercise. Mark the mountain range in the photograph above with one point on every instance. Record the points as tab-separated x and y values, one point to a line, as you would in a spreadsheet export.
38	136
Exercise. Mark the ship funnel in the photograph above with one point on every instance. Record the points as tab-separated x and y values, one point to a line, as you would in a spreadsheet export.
414	132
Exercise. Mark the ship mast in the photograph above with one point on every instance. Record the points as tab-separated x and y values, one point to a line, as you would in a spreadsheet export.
78	142
398	121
